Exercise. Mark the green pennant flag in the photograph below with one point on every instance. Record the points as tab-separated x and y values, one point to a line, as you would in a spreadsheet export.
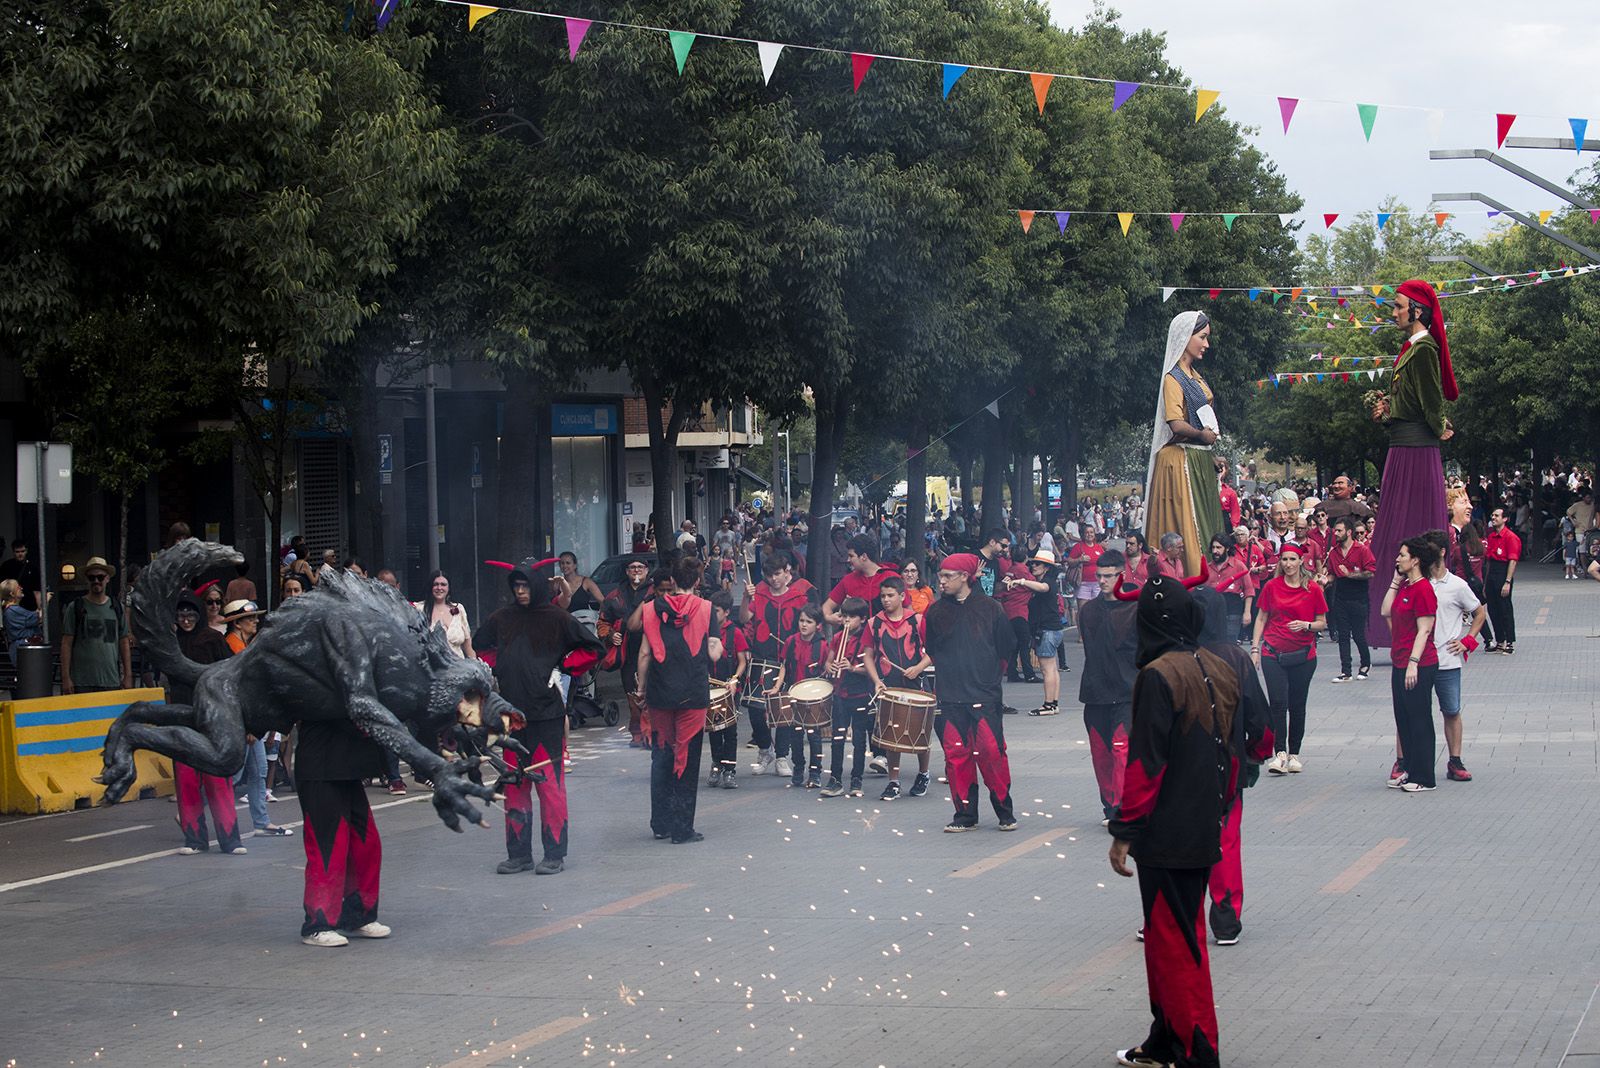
1369	115
682	41
1227	221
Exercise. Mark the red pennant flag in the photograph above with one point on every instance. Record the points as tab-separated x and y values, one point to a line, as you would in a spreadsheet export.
859	65
1439	217
1502	126
1213	293
1327	220
1027	220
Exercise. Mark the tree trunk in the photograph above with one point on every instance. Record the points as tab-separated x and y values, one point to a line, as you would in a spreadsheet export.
663	451
366	512
994	476
1071	452
961	453
122	540
916	490
1022	495
832	416
517	521
1045	460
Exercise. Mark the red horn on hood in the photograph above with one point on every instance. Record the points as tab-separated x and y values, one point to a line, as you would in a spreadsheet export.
501	564
1120	594
1198	580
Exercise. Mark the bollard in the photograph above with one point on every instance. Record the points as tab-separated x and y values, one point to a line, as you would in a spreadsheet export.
36	672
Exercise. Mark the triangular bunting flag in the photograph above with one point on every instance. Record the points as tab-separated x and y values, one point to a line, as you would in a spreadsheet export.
1254	293
859	65
1177	220
1383	218
993	407
1027	220
1123	91
476	13
1492	214
1213	294
1166	293
1125	219
1286	106
1579	128
1041	88
1203	99
1294	294
1439	217
1284	219
577	29
1328	220
1544	217
1594	215
1502	126
386	10
1376	289
1061	221
952	74
769	54
682	41
1227	221
1369	115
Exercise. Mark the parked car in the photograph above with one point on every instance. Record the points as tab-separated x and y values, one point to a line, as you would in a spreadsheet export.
612	571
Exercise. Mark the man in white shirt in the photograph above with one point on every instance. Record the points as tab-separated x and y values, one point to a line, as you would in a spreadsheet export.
1456	625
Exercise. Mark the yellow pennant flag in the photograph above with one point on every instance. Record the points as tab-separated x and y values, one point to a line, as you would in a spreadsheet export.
1377	290
1313	304
477	13
1126	219
1203	99
1544	217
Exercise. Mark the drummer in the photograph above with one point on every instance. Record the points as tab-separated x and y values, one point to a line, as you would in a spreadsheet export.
804	657
855	678
902	663
729	671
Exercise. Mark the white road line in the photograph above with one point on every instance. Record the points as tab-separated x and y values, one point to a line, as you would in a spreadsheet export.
108	834
110	864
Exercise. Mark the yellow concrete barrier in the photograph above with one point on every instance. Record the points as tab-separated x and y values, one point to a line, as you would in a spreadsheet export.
50	752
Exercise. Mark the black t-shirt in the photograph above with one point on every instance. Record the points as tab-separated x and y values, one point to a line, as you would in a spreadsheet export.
1044	606
968	641
530	643
333	750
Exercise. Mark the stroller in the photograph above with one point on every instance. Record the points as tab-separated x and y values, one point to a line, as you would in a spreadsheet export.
582	699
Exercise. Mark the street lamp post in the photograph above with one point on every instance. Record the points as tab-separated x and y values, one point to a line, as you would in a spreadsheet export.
788	497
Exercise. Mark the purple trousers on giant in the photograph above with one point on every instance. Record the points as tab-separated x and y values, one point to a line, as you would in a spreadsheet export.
1410	502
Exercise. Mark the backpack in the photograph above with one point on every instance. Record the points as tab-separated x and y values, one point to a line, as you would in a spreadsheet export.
79	612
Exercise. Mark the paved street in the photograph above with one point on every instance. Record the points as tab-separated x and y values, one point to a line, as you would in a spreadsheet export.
1457	928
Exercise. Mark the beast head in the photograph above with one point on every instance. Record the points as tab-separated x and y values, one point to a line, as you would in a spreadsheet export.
462	694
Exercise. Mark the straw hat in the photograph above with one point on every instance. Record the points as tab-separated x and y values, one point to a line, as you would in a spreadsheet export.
98	563
1043	556
234	611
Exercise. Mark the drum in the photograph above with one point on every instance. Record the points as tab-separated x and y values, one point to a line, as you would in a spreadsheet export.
721	712
904	722
811	703
780	712
760	677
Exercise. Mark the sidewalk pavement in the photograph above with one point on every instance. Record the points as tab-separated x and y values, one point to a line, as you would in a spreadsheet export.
1455	928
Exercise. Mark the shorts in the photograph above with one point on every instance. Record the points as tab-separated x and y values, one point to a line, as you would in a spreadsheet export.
1047	642
1447	685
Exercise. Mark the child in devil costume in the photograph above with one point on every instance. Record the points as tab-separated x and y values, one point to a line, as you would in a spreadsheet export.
1184	765
536	641
675	673
192	788
1106	627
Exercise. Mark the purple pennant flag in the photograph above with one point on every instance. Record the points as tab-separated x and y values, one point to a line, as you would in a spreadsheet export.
1123	92
1061	221
1286	106
386	10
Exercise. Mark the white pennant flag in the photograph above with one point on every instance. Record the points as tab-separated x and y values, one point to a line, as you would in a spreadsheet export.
1285	219
769	58
993	407
1371	375
1166	293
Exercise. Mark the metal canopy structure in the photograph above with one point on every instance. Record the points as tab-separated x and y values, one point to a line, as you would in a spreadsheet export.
1528	176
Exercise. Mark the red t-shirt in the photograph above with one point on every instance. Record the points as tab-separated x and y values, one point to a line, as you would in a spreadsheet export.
858	649
1502	545
1090	555
1230	576
733	643
1341	564
1230	504
1283	603
1410	604
864	587
1014	600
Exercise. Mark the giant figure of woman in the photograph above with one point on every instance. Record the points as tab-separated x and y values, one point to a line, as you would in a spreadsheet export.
1411	496
1181	491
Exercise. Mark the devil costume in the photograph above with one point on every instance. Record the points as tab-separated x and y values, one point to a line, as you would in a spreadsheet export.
969	641
1184	764
1108	630
192	788
773	620
534	644
1412	489
677	688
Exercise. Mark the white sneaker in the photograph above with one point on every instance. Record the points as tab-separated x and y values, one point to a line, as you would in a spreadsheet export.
326	939
878	765
1294	763
783	767
764	763
1279	764
368	930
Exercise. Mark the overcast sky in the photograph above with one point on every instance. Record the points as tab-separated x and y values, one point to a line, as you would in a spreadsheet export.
1536	58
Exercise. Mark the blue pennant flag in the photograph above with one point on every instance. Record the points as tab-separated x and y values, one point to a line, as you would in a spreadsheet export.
952	74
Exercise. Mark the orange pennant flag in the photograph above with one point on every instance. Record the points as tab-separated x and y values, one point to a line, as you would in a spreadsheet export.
1126	219
1027	220
1439	217
1544	217
1041	88
476	13
1294	294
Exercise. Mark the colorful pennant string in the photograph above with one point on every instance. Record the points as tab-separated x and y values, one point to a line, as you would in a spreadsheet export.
861	62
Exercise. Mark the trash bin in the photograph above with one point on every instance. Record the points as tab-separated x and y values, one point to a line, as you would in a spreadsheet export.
36	671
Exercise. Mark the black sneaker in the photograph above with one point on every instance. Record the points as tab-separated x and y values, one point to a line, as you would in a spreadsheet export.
1363	674
1007	710
855	788
549	866
1508	648
1342	677
834	788
920	786
730	780
1049	708
890	792
716	777
514	865
957	826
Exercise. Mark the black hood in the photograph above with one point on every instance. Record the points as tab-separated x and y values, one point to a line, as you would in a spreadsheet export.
1169	618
